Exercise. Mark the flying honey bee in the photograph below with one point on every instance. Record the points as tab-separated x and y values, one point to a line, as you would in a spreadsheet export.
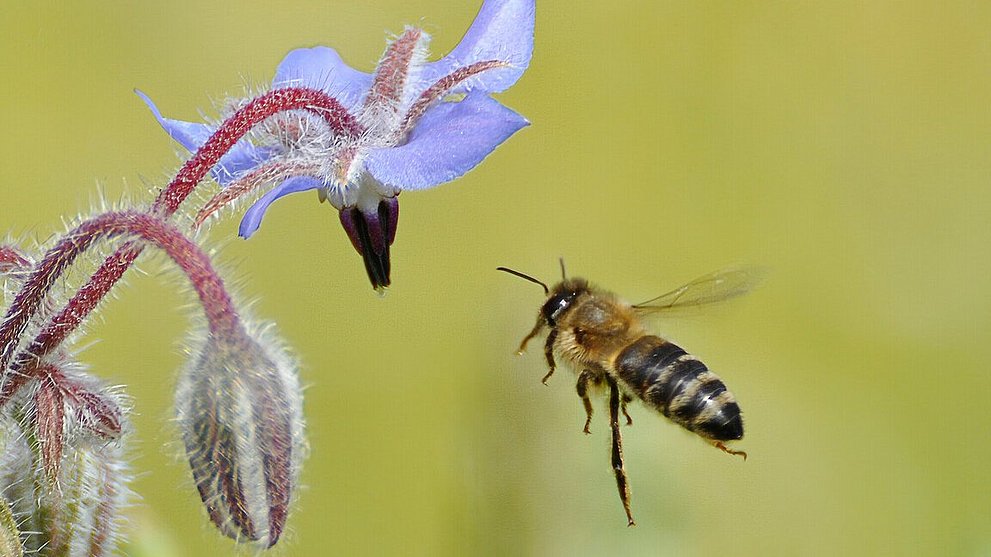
604	340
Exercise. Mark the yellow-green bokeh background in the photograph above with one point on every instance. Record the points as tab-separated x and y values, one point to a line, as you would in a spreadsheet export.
844	145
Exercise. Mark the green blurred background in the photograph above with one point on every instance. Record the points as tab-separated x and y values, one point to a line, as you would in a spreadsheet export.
844	145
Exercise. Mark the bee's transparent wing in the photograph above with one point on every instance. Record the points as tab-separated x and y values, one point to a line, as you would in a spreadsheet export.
707	289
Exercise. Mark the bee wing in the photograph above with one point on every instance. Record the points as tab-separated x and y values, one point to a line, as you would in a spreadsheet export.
707	289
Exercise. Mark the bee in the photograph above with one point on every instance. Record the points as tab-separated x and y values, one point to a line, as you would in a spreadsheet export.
605	341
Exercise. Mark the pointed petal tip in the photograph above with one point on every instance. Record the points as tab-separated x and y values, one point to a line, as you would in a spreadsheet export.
449	140
252	218
502	30
151	105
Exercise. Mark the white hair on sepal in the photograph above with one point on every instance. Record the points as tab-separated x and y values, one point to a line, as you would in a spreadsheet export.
382	117
414	84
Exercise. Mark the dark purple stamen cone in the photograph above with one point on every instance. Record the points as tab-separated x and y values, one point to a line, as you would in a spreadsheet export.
371	234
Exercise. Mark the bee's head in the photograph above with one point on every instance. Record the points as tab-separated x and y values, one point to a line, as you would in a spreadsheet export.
561	298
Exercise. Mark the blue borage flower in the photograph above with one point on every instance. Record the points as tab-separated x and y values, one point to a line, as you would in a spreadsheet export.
419	124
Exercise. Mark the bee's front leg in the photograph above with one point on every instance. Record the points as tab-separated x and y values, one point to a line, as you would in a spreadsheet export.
534	332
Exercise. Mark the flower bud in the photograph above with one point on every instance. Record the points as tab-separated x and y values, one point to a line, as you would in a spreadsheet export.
85	516
239	410
81	517
10	536
17	464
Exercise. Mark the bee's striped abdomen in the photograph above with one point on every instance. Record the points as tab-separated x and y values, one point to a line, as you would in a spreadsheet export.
681	387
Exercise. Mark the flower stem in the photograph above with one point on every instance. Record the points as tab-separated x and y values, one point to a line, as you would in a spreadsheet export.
221	315
169	200
235	127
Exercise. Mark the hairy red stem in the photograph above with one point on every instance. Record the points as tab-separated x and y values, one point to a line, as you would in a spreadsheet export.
188	177
220	312
235	127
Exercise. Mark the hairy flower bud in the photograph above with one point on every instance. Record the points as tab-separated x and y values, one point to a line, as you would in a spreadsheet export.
239	410
10	536
16	483
86	516
81	516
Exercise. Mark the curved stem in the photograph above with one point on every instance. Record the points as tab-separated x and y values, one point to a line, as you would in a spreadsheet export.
188	177
235	127
217	304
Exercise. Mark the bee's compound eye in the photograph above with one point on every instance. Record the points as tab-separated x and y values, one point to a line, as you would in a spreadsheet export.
553	308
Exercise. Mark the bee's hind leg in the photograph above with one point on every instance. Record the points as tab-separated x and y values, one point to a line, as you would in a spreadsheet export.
617	449
586	377
719	445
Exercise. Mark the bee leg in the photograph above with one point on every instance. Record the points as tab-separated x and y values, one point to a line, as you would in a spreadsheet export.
627	399
719	445
617	449
584	379
549	354
536	331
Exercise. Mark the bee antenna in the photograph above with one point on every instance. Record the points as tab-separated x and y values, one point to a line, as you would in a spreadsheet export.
527	277
564	276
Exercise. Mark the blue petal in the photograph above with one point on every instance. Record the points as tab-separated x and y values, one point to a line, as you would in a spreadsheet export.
502	30
449	140
253	216
242	157
322	68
